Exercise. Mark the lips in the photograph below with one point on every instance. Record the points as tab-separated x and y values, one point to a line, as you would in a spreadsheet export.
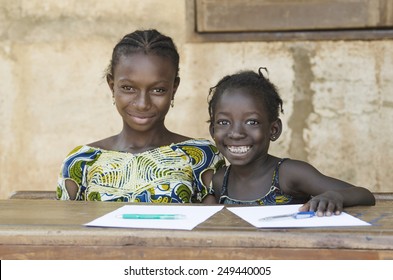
141	119
141	116
238	149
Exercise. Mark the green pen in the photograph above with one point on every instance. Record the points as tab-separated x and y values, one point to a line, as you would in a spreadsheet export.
152	216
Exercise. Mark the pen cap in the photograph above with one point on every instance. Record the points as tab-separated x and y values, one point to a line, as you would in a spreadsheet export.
305	214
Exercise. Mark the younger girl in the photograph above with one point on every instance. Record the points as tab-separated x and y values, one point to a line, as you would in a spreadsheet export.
244	118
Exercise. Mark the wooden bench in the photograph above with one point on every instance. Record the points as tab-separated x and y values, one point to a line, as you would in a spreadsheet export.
383	195
33	195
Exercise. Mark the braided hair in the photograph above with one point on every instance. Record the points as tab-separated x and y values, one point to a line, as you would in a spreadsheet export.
147	41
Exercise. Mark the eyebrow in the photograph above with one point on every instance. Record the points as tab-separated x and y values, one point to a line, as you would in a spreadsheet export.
132	81
244	113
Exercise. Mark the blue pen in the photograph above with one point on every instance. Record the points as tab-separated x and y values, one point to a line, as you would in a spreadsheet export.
297	215
152	216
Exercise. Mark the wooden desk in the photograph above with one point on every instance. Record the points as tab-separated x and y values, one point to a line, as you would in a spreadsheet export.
48	229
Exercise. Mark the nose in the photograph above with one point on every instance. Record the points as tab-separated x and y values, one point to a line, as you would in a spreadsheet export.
142	101
237	132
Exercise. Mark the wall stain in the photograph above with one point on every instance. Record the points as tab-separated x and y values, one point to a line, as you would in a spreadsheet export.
379	60
302	101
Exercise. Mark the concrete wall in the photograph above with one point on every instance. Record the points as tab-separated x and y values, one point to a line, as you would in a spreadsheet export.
337	95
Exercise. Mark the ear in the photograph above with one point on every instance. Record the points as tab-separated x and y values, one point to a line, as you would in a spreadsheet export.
175	86
275	129
111	83
211	130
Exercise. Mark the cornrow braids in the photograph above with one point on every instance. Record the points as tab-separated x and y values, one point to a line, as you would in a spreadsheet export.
148	41
257	83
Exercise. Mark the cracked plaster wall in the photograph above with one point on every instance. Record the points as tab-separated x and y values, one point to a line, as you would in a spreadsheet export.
337	94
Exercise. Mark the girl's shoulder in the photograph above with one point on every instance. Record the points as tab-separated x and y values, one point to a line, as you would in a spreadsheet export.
200	148
197	143
84	153
77	159
295	166
295	174
203	153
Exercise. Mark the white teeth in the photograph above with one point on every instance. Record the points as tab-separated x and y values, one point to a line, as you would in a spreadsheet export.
238	149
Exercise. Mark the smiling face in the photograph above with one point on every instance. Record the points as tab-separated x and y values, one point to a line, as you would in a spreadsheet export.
143	86
241	129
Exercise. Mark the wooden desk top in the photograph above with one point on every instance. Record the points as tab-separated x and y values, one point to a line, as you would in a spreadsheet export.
48	229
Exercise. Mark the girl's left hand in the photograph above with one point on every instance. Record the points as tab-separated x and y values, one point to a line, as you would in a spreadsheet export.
325	204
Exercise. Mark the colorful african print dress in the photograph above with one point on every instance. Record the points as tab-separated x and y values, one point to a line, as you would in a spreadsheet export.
168	174
275	196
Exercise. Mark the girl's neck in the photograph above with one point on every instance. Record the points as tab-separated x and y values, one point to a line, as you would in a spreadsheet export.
140	141
255	168
251	181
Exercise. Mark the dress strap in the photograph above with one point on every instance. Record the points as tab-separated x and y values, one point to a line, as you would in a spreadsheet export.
275	181
224	188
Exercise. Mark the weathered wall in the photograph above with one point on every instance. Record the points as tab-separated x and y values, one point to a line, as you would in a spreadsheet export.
338	94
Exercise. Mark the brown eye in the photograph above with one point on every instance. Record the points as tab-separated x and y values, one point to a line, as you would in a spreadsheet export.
159	90
222	122
127	89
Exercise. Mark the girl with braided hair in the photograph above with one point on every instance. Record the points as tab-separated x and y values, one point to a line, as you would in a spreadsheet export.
145	162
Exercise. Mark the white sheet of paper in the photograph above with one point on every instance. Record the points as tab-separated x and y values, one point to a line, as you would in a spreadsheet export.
252	215
194	215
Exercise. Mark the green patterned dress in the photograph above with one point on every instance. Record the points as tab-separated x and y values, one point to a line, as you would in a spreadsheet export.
168	174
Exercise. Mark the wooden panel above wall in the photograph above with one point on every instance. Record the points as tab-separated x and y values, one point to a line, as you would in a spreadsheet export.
291	19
